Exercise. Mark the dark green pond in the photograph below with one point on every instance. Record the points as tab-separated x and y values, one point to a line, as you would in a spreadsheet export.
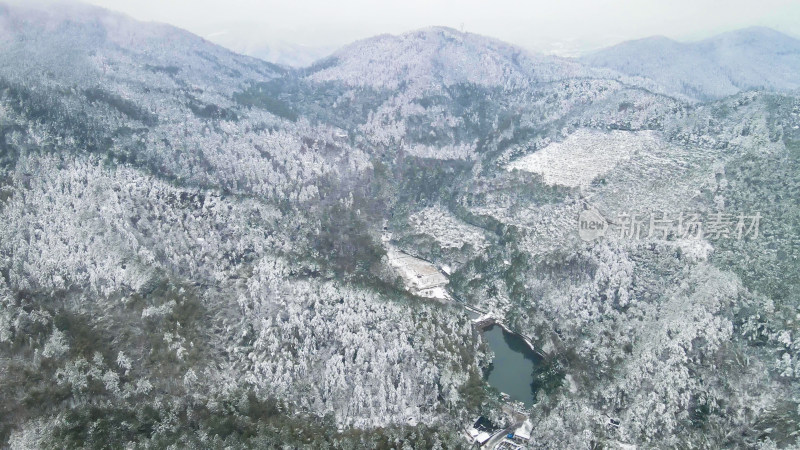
511	371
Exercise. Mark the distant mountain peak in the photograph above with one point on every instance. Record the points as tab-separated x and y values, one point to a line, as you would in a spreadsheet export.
82	43
750	58
436	56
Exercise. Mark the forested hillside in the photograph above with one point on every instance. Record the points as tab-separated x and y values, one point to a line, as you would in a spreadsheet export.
193	244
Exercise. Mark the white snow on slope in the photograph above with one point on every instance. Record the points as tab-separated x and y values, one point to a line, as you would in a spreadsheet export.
445	152
752	58
450	232
82	44
419	277
584	155
439	55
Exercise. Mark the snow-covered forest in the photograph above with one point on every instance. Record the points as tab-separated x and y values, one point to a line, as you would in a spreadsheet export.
199	249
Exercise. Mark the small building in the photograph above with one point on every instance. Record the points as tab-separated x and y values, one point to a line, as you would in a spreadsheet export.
523	433
482	430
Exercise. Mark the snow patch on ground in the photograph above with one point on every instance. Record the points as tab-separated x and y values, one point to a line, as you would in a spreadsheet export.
446	152
419	277
584	155
695	249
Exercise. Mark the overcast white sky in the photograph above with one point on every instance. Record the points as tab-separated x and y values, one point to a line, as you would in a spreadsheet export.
562	27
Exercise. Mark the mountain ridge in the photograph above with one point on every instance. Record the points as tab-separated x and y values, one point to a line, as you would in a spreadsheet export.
721	65
201	250
440	54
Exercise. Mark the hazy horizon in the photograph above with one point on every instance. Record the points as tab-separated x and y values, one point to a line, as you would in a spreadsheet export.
560	29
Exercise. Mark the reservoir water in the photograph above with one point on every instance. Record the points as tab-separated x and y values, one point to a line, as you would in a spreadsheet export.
511	371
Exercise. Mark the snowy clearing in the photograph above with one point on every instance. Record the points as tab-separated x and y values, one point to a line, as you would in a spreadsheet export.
584	155
447	152
419	277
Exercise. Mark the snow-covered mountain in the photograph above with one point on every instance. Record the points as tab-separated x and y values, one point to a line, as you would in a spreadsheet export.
85	43
440	56
752	58
199	249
